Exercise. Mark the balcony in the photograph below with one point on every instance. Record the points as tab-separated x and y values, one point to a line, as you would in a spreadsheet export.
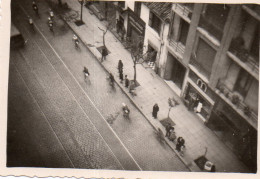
184	11
178	47
244	59
235	100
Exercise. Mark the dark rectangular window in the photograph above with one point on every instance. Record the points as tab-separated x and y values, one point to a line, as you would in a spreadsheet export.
184	29
138	8
121	4
155	22
243	82
214	18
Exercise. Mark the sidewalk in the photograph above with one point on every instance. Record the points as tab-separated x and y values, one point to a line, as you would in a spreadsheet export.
153	90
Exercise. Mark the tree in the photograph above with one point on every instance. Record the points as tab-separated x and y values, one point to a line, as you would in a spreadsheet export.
108	26
172	103
138	57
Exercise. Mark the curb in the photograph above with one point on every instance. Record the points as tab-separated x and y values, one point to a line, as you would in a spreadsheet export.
187	164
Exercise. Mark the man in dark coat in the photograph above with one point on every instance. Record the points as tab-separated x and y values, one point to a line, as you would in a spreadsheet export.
126	81
180	143
155	110
120	66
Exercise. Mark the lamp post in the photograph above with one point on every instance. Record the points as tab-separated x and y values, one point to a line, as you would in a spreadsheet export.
80	22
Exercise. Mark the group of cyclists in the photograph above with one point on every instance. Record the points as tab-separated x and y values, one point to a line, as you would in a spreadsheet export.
50	18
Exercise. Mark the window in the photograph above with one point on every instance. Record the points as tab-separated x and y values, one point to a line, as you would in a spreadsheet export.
184	29
121	4
205	56
243	82
214	18
138	8
155	22
254	50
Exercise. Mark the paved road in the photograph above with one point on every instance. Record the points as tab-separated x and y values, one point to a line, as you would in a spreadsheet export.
75	110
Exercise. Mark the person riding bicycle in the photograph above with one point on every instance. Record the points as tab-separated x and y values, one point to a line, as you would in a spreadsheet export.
51	13
86	72
35	7
50	22
76	40
30	21
126	110
112	79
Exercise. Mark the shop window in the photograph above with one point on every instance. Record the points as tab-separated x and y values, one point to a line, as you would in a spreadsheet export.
138	8
213	19
184	29
243	82
155	22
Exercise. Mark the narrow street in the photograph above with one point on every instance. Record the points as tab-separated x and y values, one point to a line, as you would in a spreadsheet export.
64	117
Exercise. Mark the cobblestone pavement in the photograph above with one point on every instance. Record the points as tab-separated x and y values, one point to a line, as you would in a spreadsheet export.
131	144
153	89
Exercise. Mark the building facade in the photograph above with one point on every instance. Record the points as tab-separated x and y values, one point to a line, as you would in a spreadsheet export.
209	54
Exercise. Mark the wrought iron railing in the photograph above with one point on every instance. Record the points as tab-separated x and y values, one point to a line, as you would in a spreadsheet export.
236	101
184	10
177	46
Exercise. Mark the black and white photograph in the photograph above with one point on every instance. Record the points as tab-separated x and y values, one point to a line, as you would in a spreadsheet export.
133	86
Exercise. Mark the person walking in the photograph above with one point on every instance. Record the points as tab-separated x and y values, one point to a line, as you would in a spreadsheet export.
104	54
120	66
121	77
169	130
112	79
126	81
180	143
155	110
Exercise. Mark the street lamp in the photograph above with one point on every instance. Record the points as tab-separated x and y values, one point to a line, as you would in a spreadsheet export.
80	22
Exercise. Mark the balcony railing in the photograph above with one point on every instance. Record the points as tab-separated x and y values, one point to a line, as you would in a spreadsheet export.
245	57
177	46
183	10
236	102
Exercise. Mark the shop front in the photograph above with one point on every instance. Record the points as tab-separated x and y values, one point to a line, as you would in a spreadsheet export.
235	132
174	71
198	97
135	27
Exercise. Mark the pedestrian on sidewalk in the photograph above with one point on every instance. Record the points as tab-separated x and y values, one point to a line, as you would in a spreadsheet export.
180	143
131	86
126	81
169	128
120	66
104	54
121	77
155	110
86	72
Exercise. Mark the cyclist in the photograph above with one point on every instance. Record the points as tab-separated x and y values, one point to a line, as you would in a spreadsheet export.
50	22
35	7
30	21
76	40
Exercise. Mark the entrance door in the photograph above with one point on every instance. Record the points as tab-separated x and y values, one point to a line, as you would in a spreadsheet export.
134	35
178	73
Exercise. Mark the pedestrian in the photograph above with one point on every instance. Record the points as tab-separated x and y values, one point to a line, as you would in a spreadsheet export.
126	81
120	66
35	7
86	72
104	54
169	129
112	79
155	110
131	87
121	77
180	143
